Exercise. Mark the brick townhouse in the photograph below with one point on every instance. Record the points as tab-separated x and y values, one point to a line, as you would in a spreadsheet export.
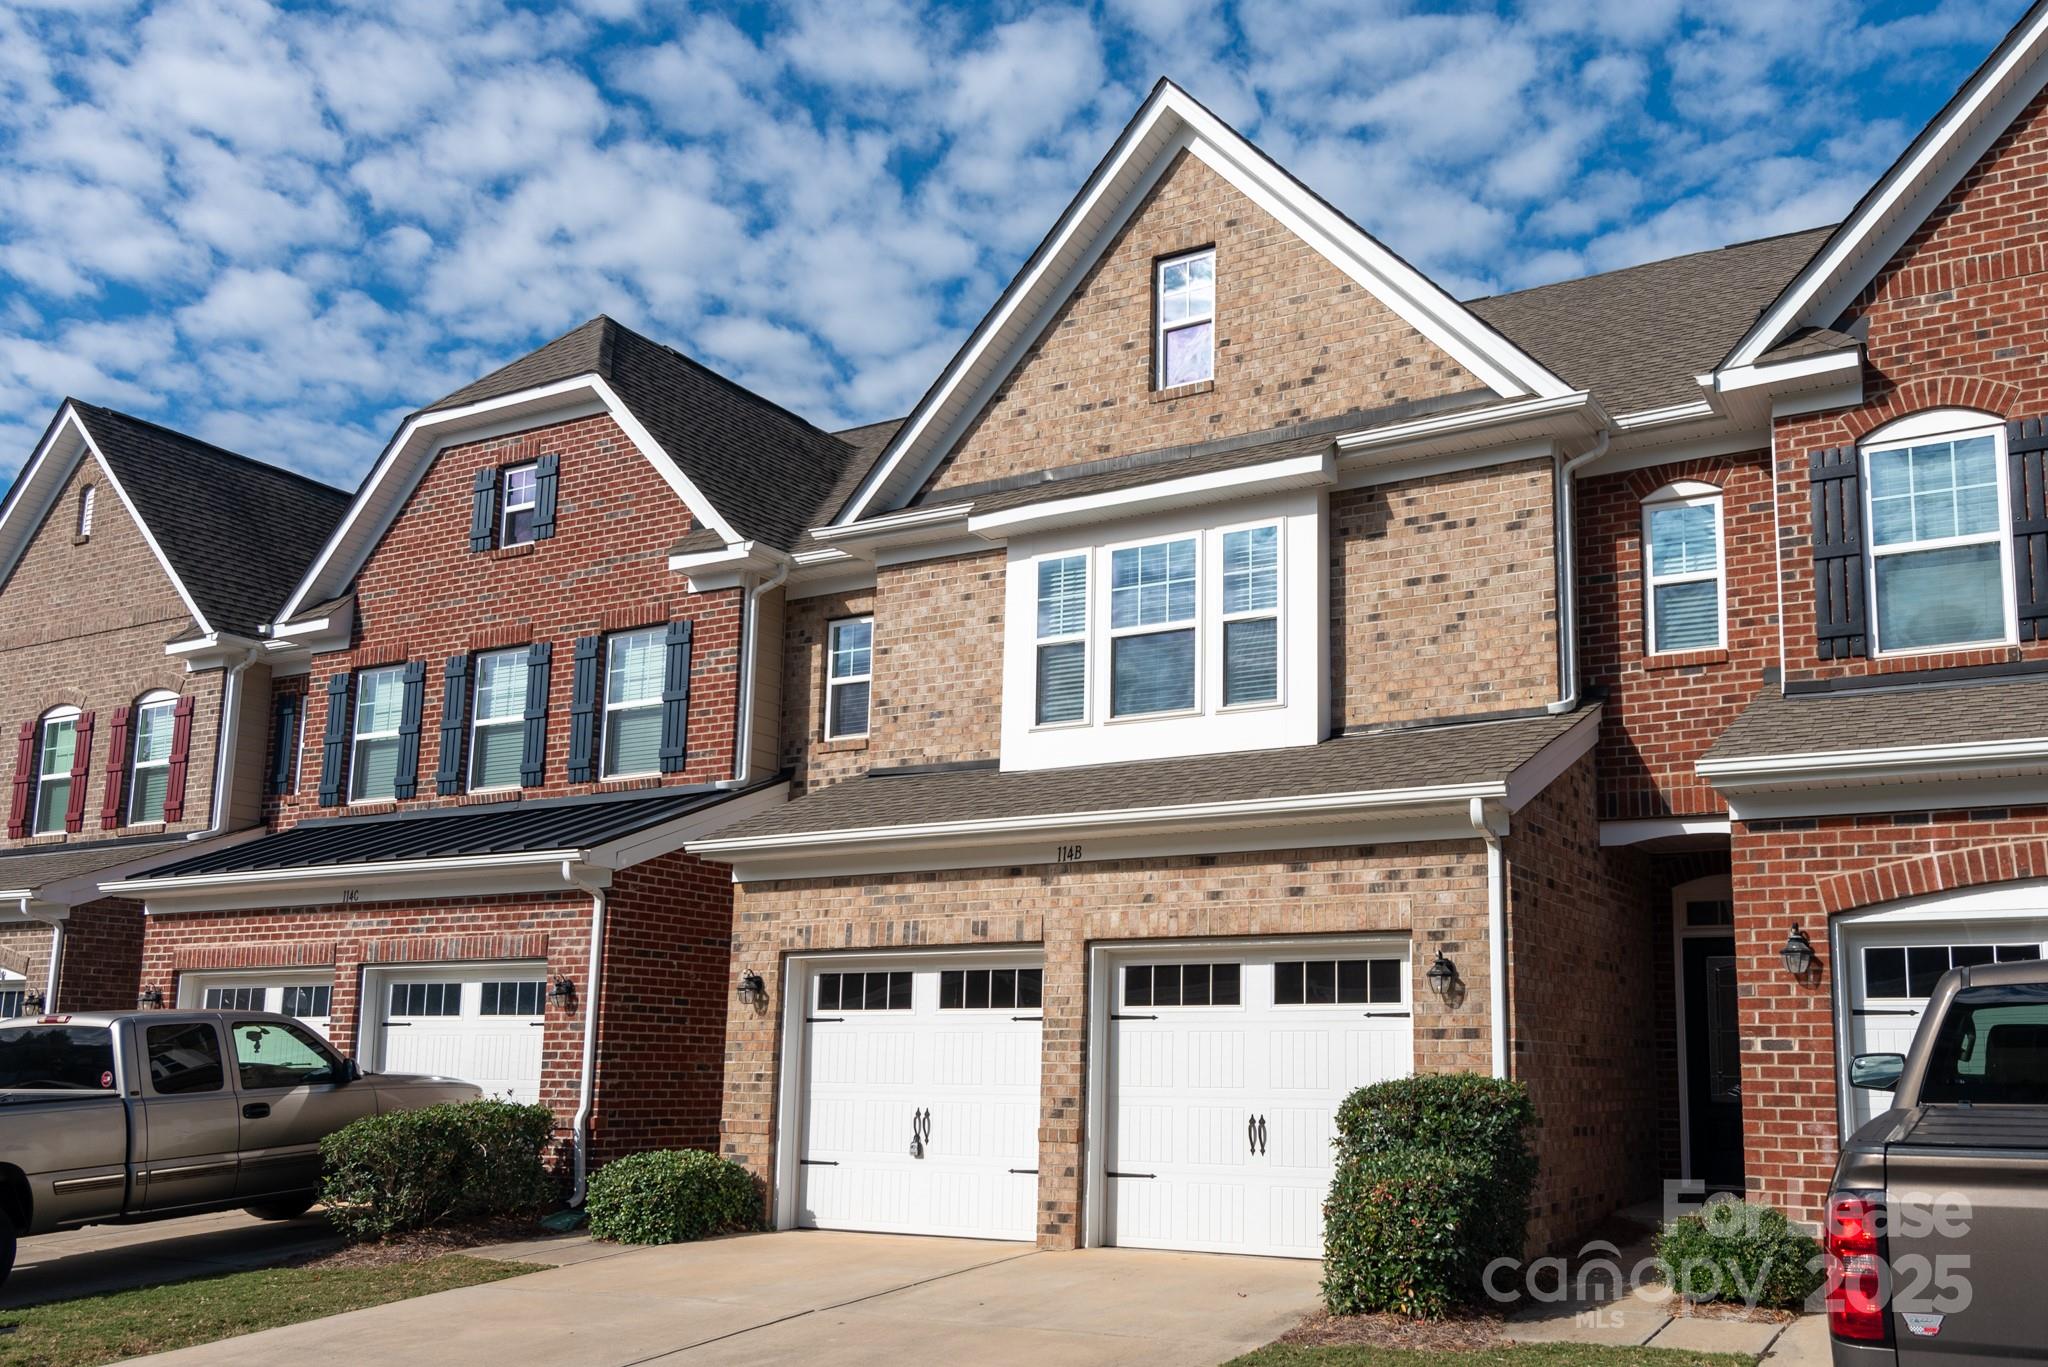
137	569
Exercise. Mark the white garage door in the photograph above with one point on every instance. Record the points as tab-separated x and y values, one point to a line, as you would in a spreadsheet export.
1893	966
309	996
920	1108
482	1025
1225	1074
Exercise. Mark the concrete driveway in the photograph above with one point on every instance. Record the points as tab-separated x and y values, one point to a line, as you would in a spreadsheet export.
827	1297
86	1262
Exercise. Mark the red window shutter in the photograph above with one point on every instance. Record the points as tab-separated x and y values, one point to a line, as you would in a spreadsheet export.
81	768
181	751
24	782
117	770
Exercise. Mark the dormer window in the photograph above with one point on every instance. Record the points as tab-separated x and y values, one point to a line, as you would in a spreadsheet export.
515	525
1185	306
85	502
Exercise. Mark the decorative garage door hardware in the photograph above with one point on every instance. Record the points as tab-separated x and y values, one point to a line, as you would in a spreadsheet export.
1115	1017
920	1132
1255	1134
1146	1175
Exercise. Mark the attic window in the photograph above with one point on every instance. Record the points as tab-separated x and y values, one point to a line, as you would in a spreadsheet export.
516	512
85	501
1186	312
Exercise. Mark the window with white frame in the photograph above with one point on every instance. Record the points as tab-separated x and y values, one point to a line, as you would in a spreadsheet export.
1062	660
1186	309
149	771
1684	571
1152	592
1938	533
1251	615
632	703
497	743
849	676
517	503
380	703
57	753
86	498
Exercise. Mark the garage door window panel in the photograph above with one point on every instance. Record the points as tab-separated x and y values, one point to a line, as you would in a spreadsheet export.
1337	982
991	989
270	1055
1204	984
521	998
864	991
306	1002
233	999
426	999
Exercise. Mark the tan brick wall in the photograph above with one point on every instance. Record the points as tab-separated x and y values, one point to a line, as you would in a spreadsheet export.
1443	595
86	624
938	692
812	761
1296	339
1437	891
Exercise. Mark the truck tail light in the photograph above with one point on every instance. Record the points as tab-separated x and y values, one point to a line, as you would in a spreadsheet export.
1855	1292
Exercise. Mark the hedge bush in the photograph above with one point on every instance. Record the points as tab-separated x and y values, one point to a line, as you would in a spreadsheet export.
1746	1254
1434	1178
408	1170
670	1196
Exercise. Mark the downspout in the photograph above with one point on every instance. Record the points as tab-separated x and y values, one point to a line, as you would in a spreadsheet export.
56	958
1492	824
224	753
1568	584
587	1084
750	628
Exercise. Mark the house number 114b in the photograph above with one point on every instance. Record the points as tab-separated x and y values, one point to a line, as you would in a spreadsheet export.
1067	854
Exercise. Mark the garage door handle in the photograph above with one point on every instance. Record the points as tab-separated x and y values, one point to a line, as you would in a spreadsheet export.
1262	1136
1883	1011
256	1110
1251	1135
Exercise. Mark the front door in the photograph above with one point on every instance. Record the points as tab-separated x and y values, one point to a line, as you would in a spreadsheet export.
1713	1063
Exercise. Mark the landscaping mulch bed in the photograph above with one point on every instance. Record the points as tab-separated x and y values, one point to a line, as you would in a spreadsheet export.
423	1245
1459	1333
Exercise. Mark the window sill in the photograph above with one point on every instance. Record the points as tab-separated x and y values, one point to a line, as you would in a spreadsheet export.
1185	391
512	552
837	745
488	796
372	806
142	826
629	783
1685	659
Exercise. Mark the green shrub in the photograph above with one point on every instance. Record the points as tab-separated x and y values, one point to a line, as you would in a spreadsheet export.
1742	1253
387	1174
671	1196
1434	1177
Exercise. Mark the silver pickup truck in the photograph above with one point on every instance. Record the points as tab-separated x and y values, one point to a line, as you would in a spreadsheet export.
128	1116
1939	1207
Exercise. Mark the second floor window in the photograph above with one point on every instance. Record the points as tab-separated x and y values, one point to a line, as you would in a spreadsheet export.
515	527
58	751
632	704
1152	628
1938	540
498	737
1186	309
1683	569
849	676
1062	664
380	702
149	780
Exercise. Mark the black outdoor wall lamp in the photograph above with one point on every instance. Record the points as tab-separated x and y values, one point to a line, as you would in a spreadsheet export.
753	991
563	992
151	998
1797	953
1442	975
32	1003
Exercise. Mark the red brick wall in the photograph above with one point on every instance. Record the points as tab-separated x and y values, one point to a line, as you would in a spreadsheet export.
102	954
1954	321
423	595
1664	711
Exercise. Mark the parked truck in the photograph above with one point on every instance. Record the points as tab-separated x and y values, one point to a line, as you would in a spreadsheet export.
1939	1206
116	1117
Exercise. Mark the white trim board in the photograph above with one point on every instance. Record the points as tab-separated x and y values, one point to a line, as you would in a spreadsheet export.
1168	123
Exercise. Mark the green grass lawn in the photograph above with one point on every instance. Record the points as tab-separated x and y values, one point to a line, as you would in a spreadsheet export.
1523	1355
155	1319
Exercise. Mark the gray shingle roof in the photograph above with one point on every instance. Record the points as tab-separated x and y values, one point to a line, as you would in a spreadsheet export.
238	532
1637	337
765	469
1776	723
1478	752
34	868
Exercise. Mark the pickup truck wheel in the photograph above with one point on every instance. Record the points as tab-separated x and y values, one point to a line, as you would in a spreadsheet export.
6	1247
283	1208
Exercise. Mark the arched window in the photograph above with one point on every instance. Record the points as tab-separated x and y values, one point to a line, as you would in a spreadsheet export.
1936	508
149	771
85	501
1684	570
57	753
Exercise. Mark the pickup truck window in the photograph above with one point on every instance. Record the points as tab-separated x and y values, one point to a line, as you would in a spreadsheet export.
184	1057
273	1054
66	1058
1992	1049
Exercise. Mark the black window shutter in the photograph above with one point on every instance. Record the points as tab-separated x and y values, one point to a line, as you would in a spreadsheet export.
334	745
547	479
675	700
2026	441
1840	629
284	756
407	784
454	718
483	509
583	713
533	763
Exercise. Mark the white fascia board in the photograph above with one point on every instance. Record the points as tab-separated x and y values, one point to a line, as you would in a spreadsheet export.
1927	793
310	636
1170	122
20	906
1574	413
215	650
1667	446
1364	476
1825	367
671	836
42	478
1547	765
859	539
1671	415
135	516
1908	193
397	880
733	567
1620	834
1904	761
844	575
1248	481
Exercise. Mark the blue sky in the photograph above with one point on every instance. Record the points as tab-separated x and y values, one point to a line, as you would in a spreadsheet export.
283	227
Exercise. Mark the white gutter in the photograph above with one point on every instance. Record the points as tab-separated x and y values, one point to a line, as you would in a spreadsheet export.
224	752
353	873
1483	821
587	1086
1568	578
750	629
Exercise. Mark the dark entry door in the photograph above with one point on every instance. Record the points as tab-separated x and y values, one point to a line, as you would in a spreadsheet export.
1713	1062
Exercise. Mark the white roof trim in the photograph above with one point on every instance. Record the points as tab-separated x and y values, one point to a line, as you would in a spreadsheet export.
411	454
1920	179
1244	481
1168	122
1872	764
